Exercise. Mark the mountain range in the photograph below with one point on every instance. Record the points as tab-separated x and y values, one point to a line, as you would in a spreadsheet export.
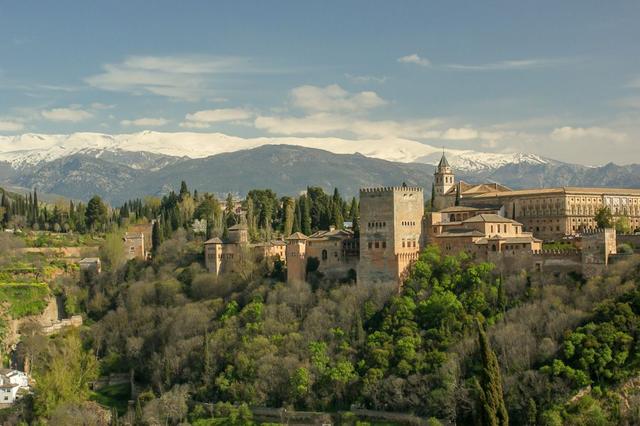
120	167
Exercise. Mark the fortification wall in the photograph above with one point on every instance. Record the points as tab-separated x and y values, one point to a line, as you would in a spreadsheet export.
631	239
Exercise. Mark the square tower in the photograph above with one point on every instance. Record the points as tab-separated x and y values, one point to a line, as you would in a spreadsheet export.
390	232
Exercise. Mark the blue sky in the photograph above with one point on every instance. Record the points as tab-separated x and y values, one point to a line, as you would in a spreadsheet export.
560	79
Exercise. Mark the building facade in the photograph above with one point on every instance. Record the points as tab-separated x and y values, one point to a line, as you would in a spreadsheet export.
335	252
222	257
549	213
390	232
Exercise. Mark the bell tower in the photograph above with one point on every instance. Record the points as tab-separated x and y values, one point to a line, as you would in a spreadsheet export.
443	177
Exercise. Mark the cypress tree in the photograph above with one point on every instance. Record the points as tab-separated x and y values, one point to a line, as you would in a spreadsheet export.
35	205
338	219
230	211
493	411
353	209
297	218
288	207
156	237
184	191
433	194
6	217
458	195
306	215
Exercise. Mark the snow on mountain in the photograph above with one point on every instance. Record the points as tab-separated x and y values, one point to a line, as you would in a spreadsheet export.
31	149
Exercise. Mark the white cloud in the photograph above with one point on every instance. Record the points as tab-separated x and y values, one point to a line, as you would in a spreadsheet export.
203	119
461	134
10	126
218	115
364	79
568	134
145	122
180	77
73	115
518	64
314	124
334	98
326	123
101	106
414	58
194	125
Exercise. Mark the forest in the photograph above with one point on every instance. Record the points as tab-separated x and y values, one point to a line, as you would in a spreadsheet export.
457	343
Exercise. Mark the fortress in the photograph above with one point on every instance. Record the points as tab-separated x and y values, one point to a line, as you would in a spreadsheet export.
488	221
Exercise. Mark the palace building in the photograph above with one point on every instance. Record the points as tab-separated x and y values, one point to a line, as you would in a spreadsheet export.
489	221
549	213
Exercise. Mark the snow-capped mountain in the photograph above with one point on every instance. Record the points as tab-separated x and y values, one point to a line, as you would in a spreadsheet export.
153	150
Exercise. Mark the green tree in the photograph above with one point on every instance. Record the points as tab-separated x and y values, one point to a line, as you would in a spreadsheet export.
493	411
112	250
604	218
66	375
96	213
623	225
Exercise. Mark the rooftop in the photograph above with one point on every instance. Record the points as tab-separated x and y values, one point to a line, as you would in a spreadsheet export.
334	233
569	190
297	236
214	240
461	232
239	227
489	218
443	162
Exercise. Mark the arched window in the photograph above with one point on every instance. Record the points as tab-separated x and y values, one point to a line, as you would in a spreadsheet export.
324	255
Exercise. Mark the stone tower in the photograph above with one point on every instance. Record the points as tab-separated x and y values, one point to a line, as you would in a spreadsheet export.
390	232
296	257
596	248
213	255
443	180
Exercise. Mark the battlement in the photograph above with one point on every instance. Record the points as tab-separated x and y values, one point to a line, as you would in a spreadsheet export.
552	252
598	231
383	189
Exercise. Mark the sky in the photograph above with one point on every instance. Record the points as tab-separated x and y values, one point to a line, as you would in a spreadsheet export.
558	79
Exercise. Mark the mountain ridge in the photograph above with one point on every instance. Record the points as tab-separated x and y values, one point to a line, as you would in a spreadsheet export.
32	149
288	170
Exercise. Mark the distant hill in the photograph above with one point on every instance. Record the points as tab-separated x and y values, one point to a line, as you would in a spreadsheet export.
286	169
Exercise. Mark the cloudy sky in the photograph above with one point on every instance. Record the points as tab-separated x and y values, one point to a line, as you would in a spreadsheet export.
560	79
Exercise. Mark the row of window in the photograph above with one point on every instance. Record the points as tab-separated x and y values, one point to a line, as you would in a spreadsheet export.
377	225
447	179
409	243
408	223
376	244
499	226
